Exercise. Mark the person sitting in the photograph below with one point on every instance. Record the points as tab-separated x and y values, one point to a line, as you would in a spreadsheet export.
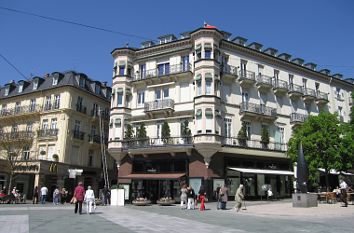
269	193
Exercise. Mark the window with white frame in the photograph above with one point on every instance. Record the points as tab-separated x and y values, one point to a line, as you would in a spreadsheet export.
32	105
117	123
209	120
45	124
20	88
120	97
198	121
163	69
199	84
26	153
55	80
29	127
56	101
208	83
54	123
207	50
77	125
7	91
248	130
227	127
198	52
18	107
48	103
291	80
35	84
141	98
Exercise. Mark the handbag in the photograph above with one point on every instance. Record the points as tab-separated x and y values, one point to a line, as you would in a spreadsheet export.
73	200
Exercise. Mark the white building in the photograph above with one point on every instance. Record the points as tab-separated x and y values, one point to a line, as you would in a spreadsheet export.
215	83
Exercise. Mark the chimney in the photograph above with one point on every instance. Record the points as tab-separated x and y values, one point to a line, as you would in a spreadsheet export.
271	51
298	61
325	71
311	65
240	40
285	56
255	46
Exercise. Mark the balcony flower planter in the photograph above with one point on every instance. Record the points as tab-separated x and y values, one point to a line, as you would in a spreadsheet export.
166	201
141	202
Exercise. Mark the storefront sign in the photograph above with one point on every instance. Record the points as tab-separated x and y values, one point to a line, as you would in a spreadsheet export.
26	168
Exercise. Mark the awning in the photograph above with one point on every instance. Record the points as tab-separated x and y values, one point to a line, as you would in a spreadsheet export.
335	172
153	176
262	171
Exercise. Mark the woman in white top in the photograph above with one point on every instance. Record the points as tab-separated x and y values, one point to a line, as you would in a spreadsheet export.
90	200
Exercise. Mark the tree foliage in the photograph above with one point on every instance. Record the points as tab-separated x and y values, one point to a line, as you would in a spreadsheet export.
186	132
165	132
142	132
128	132
323	143
265	135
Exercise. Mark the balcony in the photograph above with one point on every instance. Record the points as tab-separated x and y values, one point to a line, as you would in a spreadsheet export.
21	111
159	73
309	94
165	105
78	134
297	118
253	144
19	136
81	108
257	111
321	98
264	83
229	72
280	87
47	134
246	78
94	139
295	91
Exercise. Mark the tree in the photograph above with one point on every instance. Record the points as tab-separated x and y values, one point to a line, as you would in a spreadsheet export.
265	137
12	145
322	140
165	132
128	132
142	134
186	132
242	135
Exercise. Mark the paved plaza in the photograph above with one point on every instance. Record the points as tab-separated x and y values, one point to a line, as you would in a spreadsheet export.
260	216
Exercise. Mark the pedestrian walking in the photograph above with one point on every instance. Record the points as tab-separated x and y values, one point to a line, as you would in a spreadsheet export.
224	192
79	194
90	200
217	196
56	196
202	195
191	197
35	195
44	193
106	195
183	196
239	197
343	190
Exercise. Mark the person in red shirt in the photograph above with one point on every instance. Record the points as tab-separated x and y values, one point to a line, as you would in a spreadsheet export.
79	194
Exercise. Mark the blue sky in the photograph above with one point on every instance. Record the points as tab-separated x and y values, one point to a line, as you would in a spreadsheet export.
317	31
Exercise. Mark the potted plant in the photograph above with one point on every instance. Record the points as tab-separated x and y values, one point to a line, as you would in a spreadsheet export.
265	137
242	135
165	132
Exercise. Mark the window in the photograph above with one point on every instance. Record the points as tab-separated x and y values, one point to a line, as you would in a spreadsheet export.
141	98
291	80
227	127
18	107
158	94
143	71
120	99
45	124
7	90
248	130
338	92
121	70
279	138
163	69
243	67
48	102
77	126
117	123
53	123
97	89
55	81
208	83
57	101
32	105
3	109
308	108
276	75
209	120
207	54
94	110
166	93
90	158
35	84
317	85
185	63
82	82
93	130
304	83
14	128
260	69
26	153
245	97
29	127
198	118
198	52
79	103
20	88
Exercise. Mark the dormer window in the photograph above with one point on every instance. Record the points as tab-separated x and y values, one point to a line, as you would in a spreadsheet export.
7	91
35	84
82	82
20	88
97	89
55	81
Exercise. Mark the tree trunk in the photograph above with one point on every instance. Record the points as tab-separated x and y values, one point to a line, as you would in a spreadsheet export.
327	181
10	184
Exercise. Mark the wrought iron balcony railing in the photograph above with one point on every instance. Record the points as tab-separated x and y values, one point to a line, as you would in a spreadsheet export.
153	73
47	133
297	117
322	95
20	110
19	135
260	109
280	84
263	79
245	74
159	105
157	142
296	88
310	92
228	69
78	134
